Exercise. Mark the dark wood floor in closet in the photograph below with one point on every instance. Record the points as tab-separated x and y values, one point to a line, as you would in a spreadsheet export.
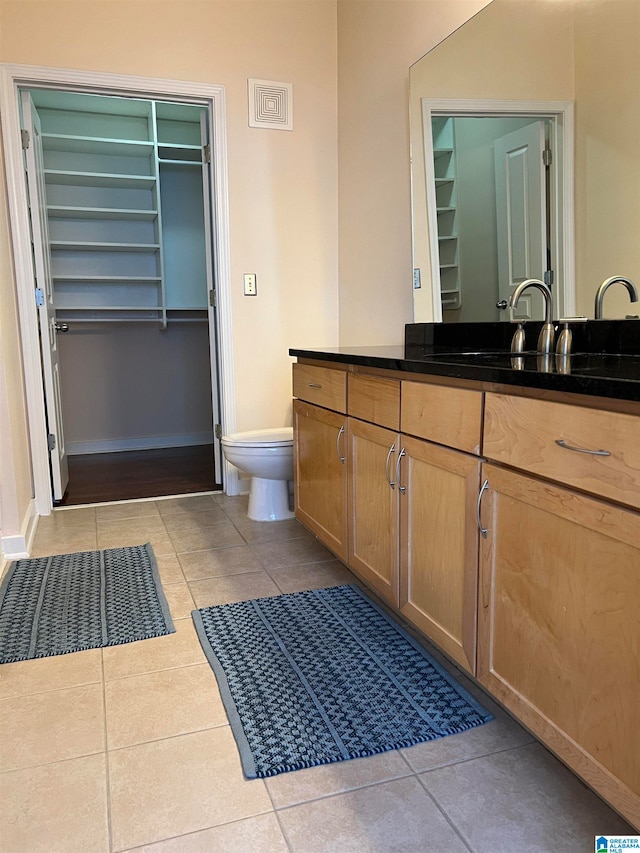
101	477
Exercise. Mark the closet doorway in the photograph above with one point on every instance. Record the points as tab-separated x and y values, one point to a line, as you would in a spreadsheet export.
120	198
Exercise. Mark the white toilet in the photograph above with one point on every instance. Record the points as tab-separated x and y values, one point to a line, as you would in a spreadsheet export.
267	455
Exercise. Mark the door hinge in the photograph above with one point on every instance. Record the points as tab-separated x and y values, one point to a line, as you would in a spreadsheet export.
51	442
548	277
547	157
24	135
39	297
218	430
206	153
212	298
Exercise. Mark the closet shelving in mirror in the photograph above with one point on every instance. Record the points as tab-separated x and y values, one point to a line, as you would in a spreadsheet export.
123	181
444	165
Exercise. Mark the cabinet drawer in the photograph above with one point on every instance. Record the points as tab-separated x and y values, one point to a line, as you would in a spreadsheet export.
374	400
450	416
525	434
324	386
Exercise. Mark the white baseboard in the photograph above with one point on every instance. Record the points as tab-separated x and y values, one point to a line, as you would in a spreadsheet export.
145	442
18	546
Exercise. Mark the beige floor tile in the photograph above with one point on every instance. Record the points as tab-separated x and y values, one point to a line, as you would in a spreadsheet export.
59	807
188	503
169	568
201	520
179	600
521	799
162	704
131	509
69	518
393	816
159	541
179	785
179	649
221	561
291	552
312	576
235	506
287	789
47	544
144	526
261	834
220	536
497	735
47	727
269	531
226	590
51	673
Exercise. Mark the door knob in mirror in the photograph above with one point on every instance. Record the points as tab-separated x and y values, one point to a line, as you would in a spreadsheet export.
502	304
61	327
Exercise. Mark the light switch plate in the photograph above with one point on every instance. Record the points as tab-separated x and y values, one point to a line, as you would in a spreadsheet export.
250	284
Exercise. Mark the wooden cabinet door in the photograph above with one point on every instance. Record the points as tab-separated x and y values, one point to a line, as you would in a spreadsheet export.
559	631
320	474
439	545
373	507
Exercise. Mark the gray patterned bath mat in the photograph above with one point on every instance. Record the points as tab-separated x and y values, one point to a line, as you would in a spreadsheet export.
314	677
87	600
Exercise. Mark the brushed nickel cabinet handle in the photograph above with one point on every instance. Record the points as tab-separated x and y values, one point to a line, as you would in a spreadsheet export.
402	489
342	459
314	385
386	467
483	530
562	443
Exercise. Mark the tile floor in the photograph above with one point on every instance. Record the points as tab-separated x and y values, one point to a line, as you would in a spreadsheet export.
128	747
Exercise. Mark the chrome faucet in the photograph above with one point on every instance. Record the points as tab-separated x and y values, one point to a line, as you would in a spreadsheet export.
545	338
633	292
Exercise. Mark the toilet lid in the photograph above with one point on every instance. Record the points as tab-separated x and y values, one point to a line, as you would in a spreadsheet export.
279	437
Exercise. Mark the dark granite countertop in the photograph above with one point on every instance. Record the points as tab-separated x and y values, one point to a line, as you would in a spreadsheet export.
605	363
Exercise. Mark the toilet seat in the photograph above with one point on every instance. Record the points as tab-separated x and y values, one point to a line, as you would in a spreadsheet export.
279	437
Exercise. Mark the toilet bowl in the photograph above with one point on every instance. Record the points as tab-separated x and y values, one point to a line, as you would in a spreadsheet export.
267	455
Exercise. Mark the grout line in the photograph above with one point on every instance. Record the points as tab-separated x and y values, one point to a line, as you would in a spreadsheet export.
350	789
193	833
106	755
444	814
518	746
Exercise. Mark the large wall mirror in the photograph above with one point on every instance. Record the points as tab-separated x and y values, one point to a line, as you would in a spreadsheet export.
546	92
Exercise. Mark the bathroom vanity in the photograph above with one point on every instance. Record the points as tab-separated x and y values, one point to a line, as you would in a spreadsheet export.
495	504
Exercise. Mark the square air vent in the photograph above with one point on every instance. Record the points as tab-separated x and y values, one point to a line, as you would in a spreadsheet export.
270	104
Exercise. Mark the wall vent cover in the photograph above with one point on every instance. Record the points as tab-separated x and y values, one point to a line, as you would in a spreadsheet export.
270	104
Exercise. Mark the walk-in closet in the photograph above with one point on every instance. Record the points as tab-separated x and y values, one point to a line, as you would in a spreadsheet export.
126	242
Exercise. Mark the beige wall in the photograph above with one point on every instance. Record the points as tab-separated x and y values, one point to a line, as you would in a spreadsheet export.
282	185
377	42
607	52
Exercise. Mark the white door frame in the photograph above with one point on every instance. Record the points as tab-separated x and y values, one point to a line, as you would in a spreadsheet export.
30	76
563	228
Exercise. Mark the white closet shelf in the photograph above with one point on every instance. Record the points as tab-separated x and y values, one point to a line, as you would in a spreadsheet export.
445	210
445	237
184	145
448	266
109	279
98	179
89	308
63	212
180	162
96	145
441	182
103	247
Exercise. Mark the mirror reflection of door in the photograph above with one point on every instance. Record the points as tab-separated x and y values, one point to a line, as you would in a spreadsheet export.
522	217
493	220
